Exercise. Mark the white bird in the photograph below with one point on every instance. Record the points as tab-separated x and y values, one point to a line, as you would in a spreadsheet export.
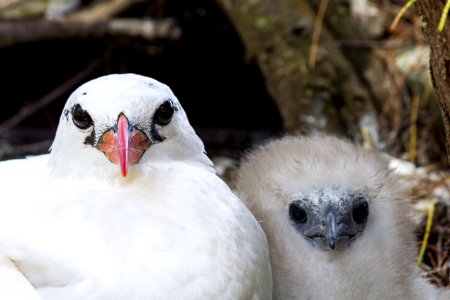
126	206
337	220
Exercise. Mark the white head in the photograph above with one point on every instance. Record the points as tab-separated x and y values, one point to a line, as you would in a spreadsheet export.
124	120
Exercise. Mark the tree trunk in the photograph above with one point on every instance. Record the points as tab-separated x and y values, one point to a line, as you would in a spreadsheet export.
277	35
431	11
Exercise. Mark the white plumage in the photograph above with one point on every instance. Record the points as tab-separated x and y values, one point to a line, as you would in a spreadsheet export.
126	206
337	221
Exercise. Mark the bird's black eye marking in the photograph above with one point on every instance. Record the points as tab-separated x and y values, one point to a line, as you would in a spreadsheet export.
360	212
164	113
80	117
90	139
297	214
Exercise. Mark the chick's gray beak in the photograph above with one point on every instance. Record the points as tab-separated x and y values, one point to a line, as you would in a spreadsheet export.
331	234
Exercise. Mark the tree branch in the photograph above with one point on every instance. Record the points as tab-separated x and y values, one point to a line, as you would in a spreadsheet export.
13	32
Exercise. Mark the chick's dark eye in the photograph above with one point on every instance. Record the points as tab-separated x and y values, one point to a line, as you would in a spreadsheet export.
80	117
360	212
164	113
297	214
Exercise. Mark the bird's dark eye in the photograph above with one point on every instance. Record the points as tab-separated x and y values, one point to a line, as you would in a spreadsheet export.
80	117
360	212
297	214
164	113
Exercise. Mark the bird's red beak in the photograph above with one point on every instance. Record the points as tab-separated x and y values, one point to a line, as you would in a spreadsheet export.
123	144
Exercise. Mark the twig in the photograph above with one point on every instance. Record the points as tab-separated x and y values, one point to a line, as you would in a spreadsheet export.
30	109
444	16
316	34
400	14
427	233
413	129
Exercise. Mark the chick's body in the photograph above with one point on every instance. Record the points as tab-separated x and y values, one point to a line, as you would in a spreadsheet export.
338	221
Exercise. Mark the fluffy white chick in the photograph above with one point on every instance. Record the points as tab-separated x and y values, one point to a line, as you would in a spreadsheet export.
126	206
337	220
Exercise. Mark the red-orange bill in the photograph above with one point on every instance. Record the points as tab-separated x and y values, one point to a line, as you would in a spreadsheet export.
124	147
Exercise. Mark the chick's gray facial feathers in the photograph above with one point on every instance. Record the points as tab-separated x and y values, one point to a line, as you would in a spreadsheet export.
329	218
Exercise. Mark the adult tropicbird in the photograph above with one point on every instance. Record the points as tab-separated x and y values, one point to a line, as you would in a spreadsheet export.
126	206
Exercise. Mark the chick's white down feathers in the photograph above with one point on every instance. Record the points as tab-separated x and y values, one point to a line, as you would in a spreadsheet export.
73	227
322	173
